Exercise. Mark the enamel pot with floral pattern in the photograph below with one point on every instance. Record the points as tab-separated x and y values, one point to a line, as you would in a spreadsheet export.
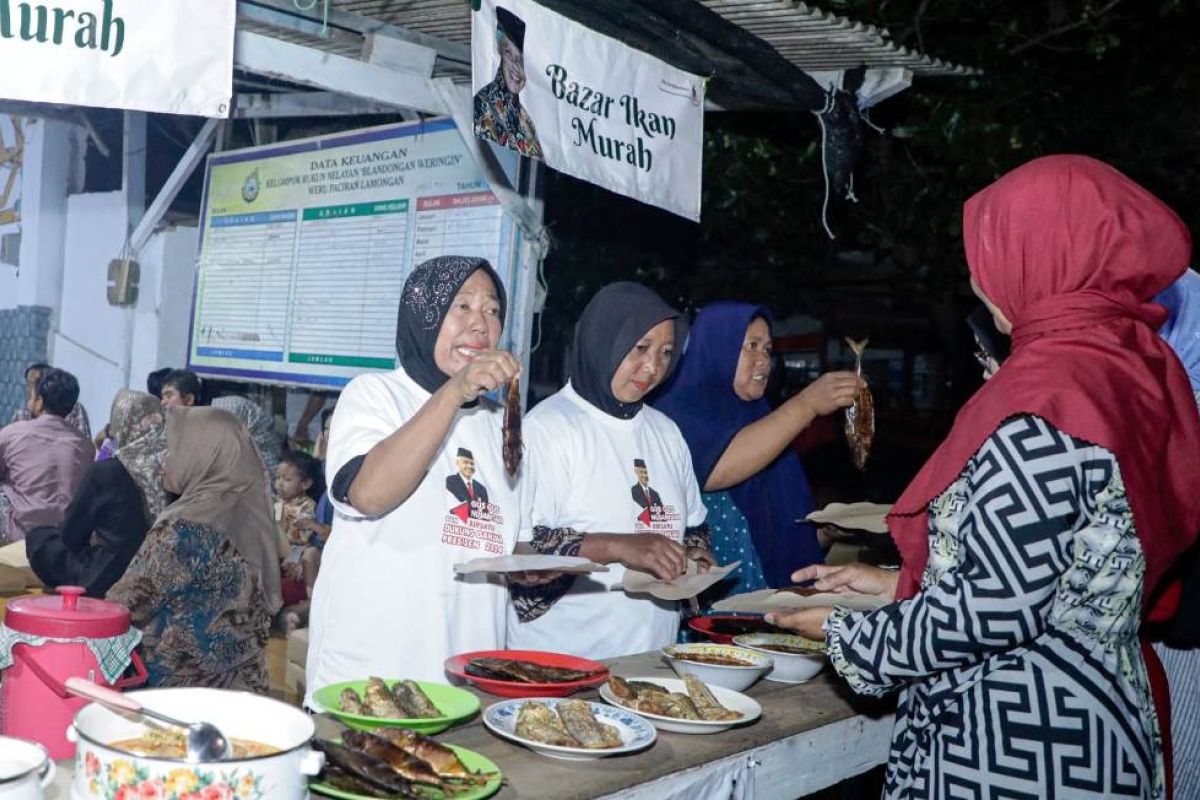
106	772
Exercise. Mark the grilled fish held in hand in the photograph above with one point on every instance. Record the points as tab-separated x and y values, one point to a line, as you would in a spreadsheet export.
860	416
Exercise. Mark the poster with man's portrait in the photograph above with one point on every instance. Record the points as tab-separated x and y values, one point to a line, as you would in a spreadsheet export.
586	104
499	116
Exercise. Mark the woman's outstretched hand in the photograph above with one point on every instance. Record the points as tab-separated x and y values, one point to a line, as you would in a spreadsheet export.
830	392
806	622
860	578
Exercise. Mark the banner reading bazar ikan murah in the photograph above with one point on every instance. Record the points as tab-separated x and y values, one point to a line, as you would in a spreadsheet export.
173	56
588	105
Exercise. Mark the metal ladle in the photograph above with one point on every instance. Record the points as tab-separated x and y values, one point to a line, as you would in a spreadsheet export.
205	742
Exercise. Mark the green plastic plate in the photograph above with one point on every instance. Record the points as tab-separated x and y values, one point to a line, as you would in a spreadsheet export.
457	705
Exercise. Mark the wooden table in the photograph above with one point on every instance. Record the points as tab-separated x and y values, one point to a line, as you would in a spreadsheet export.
810	736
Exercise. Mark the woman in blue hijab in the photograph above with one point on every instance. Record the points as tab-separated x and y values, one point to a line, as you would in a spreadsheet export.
1179	648
754	486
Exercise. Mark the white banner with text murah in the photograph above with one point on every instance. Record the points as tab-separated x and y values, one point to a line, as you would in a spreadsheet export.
587	104
172	56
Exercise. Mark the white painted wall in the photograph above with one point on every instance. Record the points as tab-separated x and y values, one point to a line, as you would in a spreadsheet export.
67	241
51	154
9	125
109	347
164	307
8	286
90	338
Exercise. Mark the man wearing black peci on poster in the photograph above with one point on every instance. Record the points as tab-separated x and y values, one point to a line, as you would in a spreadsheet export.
499	116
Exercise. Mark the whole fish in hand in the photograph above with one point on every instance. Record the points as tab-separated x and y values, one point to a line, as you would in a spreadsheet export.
860	416
513	446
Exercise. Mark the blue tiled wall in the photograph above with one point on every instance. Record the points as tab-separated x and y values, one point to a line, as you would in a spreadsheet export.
24	339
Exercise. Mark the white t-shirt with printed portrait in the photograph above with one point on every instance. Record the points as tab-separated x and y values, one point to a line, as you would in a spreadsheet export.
584	470
387	601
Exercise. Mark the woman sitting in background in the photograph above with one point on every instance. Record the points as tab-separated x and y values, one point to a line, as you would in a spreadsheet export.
754	485
204	587
258	424
112	508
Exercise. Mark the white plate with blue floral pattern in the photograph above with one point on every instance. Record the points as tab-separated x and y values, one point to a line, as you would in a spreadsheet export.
748	707
636	733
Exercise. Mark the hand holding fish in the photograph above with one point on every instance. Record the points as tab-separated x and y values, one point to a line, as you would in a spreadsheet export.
830	392
487	371
513	447
860	578
704	559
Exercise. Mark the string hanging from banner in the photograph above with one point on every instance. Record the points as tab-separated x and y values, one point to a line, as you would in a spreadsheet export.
309	5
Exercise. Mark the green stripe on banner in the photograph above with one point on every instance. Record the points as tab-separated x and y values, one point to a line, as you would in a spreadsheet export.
342	361
356	210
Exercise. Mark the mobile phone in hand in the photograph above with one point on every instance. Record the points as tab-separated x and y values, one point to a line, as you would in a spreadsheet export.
992	343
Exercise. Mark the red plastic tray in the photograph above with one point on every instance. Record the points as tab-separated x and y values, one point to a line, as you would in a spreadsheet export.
456	666
704	625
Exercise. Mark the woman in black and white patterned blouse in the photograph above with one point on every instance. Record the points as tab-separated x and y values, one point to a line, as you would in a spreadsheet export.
1036	535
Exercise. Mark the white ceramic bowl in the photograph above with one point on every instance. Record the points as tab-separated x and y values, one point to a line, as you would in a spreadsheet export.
731	677
789	667
101	770
636	733
734	701
25	769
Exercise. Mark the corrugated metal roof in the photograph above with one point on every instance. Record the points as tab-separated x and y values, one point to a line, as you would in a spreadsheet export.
817	40
810	38
344	34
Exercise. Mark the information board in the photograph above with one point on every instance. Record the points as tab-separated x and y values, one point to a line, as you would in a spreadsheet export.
305	247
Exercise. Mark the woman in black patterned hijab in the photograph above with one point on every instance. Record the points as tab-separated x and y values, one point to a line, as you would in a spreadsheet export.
425	308
419	485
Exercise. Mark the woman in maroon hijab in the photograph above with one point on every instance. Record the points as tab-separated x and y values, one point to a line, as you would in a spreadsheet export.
1035	536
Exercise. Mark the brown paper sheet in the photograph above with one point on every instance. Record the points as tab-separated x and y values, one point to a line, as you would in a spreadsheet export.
529	562
686	586
765	600
870	517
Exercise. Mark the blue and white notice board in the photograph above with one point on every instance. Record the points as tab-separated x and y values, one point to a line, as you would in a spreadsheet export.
305	247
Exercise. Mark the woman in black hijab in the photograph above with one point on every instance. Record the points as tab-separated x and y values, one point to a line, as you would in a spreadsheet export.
386	601
611	481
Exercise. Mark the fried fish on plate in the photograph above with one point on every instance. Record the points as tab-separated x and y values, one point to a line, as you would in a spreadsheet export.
508	669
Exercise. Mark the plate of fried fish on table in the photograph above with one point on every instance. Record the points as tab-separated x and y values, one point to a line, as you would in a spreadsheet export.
576	730
377	703
526	673
682	705
397	762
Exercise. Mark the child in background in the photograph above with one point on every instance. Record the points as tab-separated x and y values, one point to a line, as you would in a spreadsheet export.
298	483
324	521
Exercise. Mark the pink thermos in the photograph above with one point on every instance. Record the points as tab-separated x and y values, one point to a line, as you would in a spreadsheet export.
34	704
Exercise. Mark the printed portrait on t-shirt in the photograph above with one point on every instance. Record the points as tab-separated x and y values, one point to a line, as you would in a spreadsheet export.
472	521
644	495
472	496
